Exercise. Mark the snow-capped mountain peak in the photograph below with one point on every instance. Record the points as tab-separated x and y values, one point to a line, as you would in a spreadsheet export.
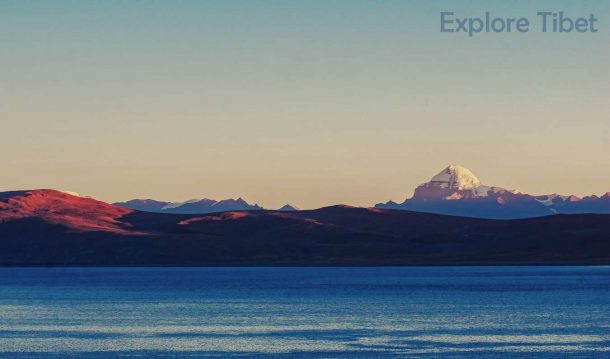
457	191
455	177
455	183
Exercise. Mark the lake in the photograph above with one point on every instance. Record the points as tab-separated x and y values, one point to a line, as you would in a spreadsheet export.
305	312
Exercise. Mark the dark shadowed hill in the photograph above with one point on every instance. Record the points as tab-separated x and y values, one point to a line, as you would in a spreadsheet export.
46	227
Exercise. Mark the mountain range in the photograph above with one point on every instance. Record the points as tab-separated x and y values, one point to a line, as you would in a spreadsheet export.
454	191
189	207
193	206
457	191
48	228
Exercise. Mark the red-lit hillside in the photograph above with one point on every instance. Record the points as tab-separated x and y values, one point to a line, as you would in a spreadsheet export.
55	207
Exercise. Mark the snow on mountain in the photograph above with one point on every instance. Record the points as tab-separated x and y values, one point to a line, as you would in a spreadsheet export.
457	191
180	204
455	177
552	199
455	183
71	193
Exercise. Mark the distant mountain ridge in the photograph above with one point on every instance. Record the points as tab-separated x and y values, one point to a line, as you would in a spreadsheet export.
288	208
457	191
194	206
453	191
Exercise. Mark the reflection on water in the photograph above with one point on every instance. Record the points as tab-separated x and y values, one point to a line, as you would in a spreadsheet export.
305	312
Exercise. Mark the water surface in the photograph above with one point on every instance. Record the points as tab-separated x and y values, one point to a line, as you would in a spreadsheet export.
305	312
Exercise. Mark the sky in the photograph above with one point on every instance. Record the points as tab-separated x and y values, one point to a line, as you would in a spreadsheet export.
310	103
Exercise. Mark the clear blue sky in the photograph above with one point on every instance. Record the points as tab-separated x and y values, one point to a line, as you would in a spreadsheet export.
307	102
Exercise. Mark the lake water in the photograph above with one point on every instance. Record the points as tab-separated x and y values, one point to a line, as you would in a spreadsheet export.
305	312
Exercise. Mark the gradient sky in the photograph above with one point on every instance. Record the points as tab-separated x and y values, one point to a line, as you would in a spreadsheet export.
304	102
